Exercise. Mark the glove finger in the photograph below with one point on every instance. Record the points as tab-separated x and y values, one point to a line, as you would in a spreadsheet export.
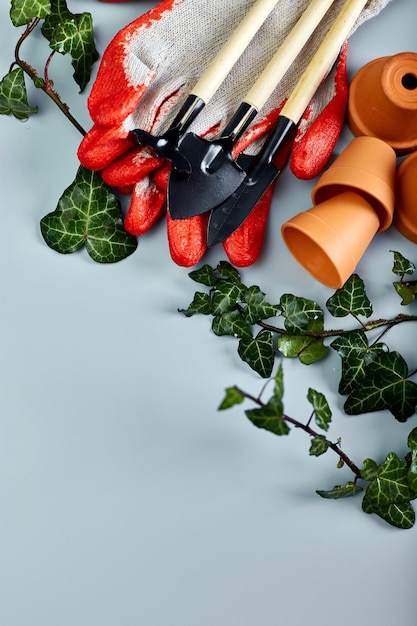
319	132
244	246
101	145
147	206
161	177
187	239
130	168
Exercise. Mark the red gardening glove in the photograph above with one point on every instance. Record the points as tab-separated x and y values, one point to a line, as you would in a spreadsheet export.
145	74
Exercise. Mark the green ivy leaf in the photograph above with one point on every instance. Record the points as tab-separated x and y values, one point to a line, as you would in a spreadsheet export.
231	323
399	515
301	315
340	491
204	275
322	412
412	439
257	312
402	265
385	387
227	271
257	307
304	347
302	318
89	214
59	13
201	304
226	296
350	299
24	11
72	34
254	295
407	290
319	445
278	394
389	493
369	470
258	352
389	486
412	472
13	96
232	398
269	417
356	354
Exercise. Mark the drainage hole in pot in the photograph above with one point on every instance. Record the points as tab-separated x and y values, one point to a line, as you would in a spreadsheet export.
409	81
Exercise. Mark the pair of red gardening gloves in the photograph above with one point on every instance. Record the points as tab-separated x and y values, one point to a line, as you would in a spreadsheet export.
147	71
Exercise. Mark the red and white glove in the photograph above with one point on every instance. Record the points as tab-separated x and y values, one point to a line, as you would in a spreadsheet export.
146	73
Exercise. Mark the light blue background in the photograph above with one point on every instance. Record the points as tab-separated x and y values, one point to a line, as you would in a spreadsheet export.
125	497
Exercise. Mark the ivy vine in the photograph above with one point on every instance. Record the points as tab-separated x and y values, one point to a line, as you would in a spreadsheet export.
88	213
373	377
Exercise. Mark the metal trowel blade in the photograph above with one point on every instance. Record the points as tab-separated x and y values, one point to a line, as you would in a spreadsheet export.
205	187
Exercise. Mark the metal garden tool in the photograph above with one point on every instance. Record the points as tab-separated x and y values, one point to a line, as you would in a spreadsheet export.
166	144
213	173
268	164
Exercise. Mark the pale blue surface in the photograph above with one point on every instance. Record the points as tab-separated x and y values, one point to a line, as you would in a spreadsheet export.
125	497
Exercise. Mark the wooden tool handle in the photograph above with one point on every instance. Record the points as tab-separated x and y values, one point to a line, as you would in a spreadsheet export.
233	49
287	53
322	61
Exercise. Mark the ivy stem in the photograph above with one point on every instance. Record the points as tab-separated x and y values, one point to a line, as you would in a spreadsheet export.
352	466
368	326
363	324
48	84
310	431
310	419
384	332
45	85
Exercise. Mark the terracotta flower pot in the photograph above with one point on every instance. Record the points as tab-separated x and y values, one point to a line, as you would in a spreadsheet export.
383	101
329	239
405	215
368	166
354	199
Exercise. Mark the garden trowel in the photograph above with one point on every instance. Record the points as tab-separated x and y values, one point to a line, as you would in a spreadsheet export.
266	166
214	173
166	144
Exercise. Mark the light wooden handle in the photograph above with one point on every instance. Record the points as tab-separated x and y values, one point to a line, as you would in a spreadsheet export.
322	61
287	53
233	49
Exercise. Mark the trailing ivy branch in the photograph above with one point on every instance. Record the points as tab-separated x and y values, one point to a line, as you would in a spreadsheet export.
373	377
66	33
88	213
321	414
45	84
388	487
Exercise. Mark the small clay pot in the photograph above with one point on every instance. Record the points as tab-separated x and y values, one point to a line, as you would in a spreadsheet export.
354	199
383	101
329	239
405	214
368	166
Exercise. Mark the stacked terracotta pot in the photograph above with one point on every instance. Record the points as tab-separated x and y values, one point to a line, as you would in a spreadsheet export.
364	192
